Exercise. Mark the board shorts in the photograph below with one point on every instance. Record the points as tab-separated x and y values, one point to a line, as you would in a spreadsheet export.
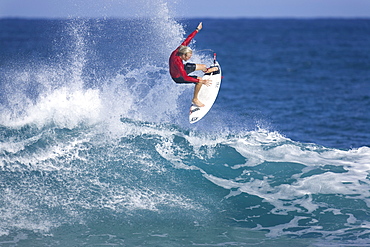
189	67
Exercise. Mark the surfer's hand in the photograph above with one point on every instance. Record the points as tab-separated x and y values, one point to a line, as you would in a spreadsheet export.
205	82
200	26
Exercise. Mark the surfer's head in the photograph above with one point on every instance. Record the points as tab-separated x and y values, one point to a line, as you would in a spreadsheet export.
185	52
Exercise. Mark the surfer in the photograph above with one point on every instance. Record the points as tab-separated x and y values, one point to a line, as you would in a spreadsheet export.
179	72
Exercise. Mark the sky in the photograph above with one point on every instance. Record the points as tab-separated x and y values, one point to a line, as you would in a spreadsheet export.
186	8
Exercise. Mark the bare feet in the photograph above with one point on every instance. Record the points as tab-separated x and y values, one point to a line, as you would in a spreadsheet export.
210	70
198	103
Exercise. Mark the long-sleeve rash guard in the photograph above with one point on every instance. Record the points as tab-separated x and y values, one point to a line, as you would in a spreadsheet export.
177	69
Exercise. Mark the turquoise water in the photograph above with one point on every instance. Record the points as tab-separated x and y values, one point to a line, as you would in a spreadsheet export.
96	149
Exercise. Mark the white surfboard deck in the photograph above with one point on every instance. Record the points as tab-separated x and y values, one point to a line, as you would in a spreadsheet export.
207	95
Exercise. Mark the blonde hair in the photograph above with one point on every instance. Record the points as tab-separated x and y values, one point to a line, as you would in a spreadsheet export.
184	50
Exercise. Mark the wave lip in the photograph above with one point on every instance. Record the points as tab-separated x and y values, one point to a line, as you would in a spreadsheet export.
64	108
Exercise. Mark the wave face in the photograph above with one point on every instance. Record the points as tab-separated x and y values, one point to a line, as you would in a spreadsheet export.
157	182
96	150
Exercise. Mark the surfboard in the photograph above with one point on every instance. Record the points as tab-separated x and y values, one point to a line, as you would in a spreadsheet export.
206	95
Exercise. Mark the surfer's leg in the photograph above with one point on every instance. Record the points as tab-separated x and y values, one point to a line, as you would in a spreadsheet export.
201	67
195	98
204	68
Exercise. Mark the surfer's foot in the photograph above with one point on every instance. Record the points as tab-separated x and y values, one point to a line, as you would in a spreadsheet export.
198	103
213	69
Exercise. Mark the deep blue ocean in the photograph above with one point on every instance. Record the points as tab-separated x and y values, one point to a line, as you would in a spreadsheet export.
96	148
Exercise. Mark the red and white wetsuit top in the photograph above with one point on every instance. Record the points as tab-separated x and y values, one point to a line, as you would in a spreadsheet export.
177	69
